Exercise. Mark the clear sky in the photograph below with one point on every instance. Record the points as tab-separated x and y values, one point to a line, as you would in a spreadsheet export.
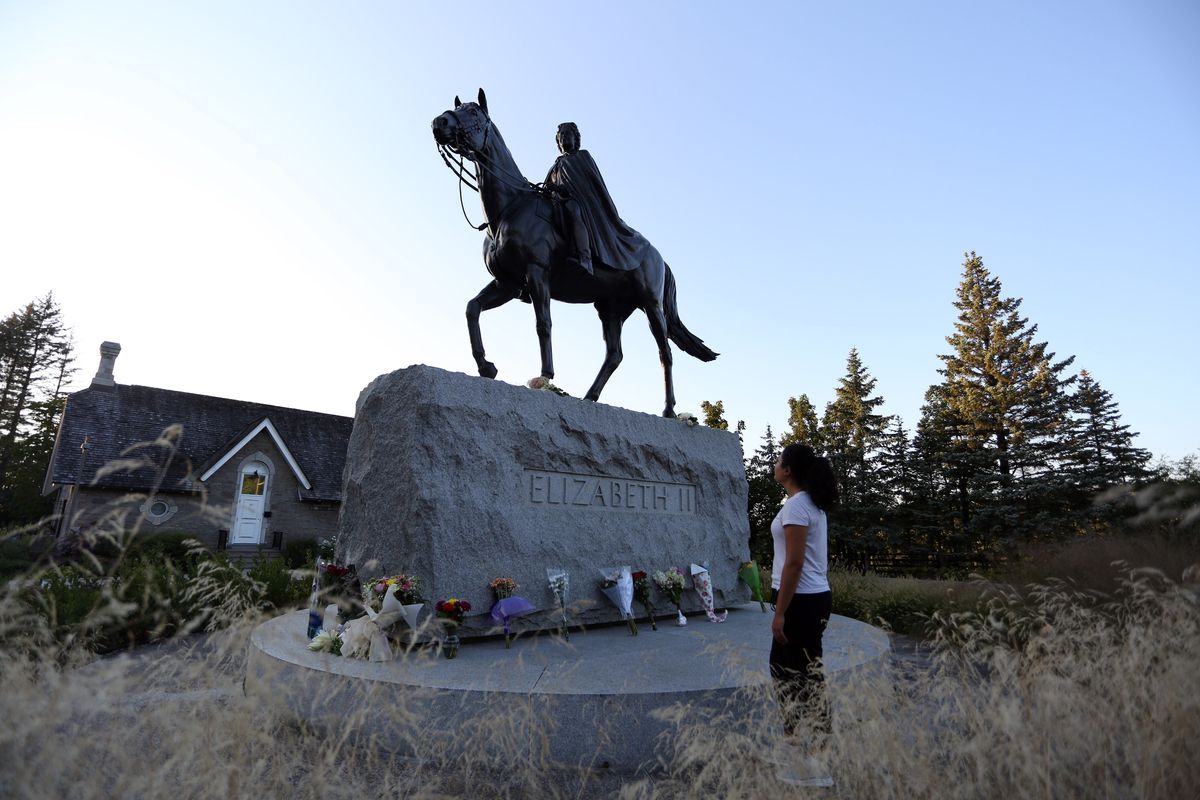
247	196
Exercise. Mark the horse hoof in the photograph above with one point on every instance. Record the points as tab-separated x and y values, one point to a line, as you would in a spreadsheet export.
669	413
488	370
592	397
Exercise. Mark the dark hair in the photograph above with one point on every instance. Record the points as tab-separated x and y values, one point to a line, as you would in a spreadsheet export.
569	126
812	473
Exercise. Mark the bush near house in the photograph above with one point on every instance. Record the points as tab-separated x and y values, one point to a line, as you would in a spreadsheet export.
300	553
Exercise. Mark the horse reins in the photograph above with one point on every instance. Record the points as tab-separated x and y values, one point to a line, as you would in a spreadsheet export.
472	181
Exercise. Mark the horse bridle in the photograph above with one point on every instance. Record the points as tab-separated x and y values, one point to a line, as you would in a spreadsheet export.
456	149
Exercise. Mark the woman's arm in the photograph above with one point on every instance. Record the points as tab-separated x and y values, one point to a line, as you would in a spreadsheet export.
796	539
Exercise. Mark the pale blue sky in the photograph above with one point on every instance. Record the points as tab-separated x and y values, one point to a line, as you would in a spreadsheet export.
247	195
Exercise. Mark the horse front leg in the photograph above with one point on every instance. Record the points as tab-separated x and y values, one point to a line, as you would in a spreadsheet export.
539	292
492	296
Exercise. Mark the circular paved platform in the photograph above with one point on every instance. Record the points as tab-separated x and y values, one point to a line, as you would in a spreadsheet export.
601	685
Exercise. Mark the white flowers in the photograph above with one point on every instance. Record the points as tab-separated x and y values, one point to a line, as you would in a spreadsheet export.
326	642
687	418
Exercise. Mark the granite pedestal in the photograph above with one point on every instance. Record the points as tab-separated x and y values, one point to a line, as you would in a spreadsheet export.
459	480
589	702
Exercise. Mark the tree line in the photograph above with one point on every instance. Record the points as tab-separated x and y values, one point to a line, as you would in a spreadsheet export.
36	352
1012	447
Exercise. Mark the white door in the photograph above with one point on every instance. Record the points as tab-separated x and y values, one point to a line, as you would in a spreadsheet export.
251	502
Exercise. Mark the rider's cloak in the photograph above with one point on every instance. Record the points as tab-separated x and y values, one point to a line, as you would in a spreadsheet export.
614	244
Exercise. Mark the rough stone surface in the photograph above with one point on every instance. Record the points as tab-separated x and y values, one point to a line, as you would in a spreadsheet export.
460	480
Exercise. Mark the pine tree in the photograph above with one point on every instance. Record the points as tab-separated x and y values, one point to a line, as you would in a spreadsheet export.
765	496
852	432
1101	448
803	427
1002	383
35	363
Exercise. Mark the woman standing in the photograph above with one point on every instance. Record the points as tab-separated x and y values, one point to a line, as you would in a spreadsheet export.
803	603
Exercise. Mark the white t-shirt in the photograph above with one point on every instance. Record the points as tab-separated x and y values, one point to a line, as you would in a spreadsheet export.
799	509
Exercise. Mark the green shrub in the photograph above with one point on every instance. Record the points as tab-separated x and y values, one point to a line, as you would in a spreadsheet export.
300	553
279	588
904	605
65	597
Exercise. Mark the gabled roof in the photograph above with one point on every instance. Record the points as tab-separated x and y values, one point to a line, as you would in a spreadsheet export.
120	417
243	438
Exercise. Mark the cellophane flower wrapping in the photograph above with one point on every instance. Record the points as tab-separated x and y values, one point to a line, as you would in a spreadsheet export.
703	583
617	585
748	572
559	584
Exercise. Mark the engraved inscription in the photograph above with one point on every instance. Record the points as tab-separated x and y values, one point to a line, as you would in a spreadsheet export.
570	490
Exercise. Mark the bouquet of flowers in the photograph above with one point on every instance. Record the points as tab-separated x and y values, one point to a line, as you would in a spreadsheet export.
451	612
507	605
331	582
545	385
687	418
748	572
558	587
408	590
503	588
617	585
327	641
703	583
641	591
670	583
405	593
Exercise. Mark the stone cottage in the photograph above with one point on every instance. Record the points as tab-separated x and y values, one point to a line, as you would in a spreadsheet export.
233	474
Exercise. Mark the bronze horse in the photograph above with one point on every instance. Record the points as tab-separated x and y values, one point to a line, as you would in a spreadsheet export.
527	255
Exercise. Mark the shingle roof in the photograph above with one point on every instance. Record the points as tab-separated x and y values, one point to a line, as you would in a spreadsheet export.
120	417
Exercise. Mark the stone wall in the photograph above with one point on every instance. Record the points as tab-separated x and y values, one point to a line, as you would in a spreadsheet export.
460	480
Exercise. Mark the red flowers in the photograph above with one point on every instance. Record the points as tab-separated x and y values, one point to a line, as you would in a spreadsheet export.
453	609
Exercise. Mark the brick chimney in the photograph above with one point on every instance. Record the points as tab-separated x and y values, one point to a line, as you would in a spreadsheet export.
108	357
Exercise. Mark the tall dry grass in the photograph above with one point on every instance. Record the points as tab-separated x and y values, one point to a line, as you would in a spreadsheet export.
1060	692
1056	692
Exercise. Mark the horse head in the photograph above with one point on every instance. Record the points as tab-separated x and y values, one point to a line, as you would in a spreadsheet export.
464	129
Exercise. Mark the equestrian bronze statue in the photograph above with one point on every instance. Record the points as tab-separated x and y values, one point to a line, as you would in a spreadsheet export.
561	240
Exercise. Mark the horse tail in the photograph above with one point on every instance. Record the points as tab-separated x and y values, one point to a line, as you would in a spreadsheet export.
684	339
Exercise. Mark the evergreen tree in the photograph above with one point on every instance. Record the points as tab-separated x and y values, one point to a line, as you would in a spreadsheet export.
1004	385
765	496
1101	448
35	364
802	424
852	432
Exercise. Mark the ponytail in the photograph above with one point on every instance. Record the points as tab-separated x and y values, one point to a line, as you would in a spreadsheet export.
822	484
812	473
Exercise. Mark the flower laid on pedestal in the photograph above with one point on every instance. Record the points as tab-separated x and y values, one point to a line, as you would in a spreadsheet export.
327	641
545	385
558	587
748	572
507	605
451	613
703	583
406	591
670	583
687	418
617	585
641	591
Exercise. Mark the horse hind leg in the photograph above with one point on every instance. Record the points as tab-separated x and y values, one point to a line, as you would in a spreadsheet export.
612	321
658	327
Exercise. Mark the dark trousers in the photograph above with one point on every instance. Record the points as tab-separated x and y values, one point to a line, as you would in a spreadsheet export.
796	667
